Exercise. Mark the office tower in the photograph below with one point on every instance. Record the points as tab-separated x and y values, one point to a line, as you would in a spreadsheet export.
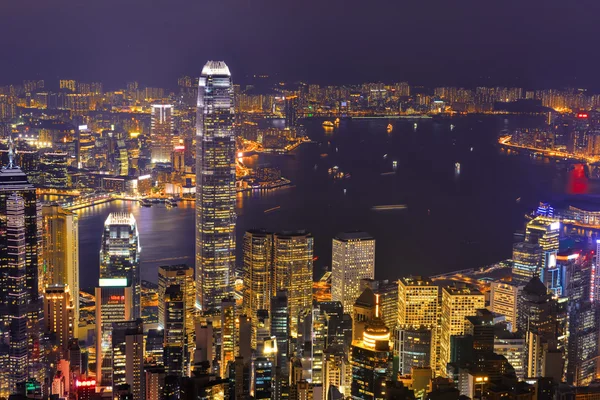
61	252
20	303
417	302
416	348
155	344
280	329
583	350
335	370
229	333
293	266
544	232
175	341
371	360
503	301
161	132
120	254
154	382
54	169
215	186
262	376
128	356
85	389
352	259
114	300
511	346
388	297
457	303
537	319
74	357
527	262
258	271
182	275
291	111
59	315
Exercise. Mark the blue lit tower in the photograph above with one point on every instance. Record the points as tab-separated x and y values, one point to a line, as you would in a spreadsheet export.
215	186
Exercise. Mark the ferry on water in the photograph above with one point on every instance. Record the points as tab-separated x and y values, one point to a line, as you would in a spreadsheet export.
390	207
390	128
328	124
145	203
169	203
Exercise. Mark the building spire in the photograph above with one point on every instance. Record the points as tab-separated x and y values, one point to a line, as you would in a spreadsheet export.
11	153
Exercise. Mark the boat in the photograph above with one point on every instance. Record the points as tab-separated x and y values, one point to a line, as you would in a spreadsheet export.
390	207
415	126
272	209
395	164
170	203
457	168
390	128
451	127
323	155
328	124
384	156
337	121
388	173
145	203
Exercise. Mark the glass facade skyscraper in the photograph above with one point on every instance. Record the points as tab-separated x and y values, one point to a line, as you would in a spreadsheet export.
215	186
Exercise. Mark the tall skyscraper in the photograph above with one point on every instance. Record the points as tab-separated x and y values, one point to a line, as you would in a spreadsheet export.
161	132
527	262
120	254
544	232
293	265
258	272
113	304
457	303
59	315
352	259
61	252
175	340
417	302
128	356
503	301
215	186
20	302
280	329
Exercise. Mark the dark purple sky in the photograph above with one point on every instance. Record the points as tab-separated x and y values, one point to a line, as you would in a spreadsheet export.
531	43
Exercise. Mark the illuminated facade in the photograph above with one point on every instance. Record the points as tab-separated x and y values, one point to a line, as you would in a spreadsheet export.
215	186
120	254
353	259
59	314
527	260
161	132
371	359
503	301
20	241
293	265
128	356
175	346
229	333
544	232
457	303
182	275
258	271
113	304
417	302
61	252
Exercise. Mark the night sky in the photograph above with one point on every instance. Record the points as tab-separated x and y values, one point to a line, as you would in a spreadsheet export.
529	43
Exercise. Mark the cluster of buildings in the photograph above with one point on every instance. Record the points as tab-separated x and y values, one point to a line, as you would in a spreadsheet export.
528	331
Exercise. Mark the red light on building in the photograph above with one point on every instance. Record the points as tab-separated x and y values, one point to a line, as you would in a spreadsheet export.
86	383
582	115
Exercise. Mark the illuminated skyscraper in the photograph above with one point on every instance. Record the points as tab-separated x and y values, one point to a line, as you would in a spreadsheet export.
417	302
175	340
120	254
59	315
215	186
229	333
20	302
161	132
503	301
113	304
457	303
544	232
128	356
61	252
352	259
527	260
293	265
183	276
258	272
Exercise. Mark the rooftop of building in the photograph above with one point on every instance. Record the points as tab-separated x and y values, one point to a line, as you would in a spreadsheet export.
461	291
353	235
216	68
415	280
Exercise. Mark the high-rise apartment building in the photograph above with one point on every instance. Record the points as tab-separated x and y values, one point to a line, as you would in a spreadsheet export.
120	254
215	186
128	356
61	252
293	271
352	259
161	132
457	303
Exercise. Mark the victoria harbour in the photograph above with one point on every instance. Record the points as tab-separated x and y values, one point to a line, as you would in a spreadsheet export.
467	218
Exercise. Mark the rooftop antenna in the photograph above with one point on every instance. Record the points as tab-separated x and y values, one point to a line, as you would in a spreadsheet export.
11	153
